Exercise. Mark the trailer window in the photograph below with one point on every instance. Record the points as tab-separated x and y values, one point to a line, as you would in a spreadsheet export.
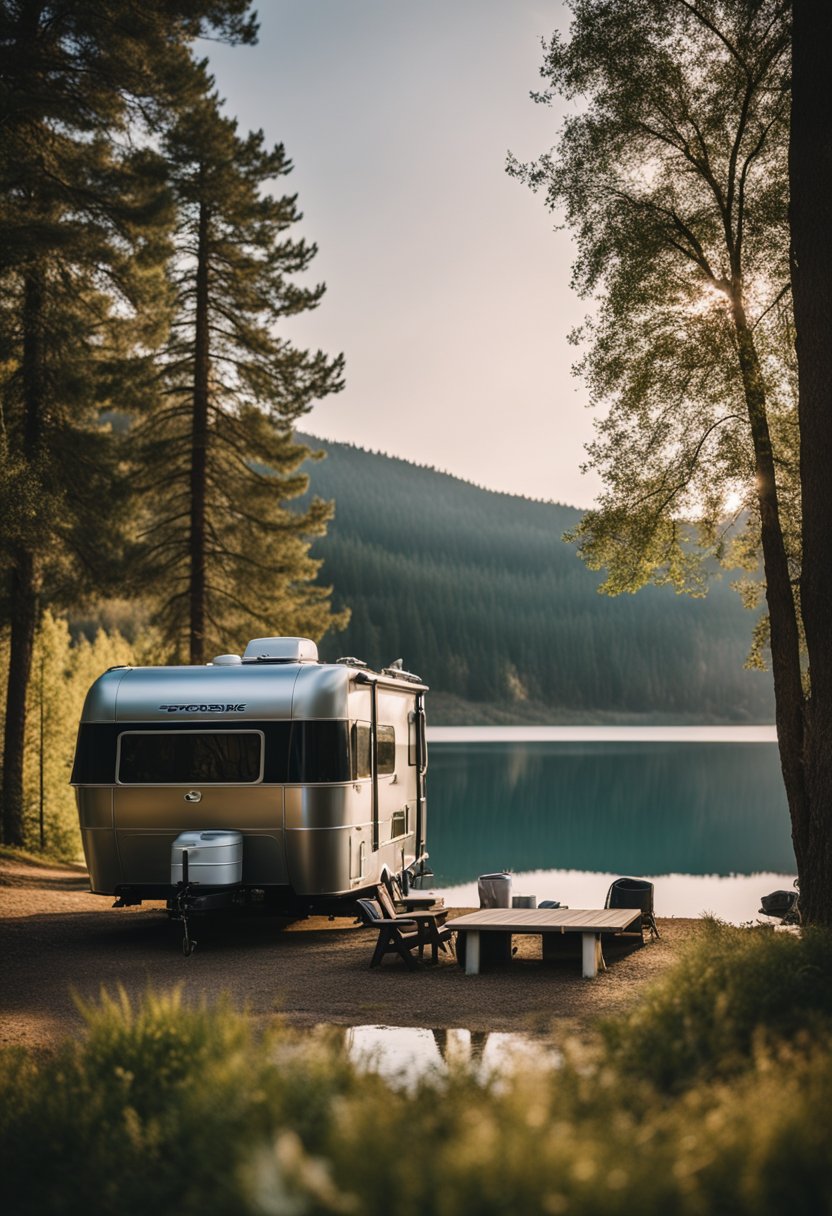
416	742
386	750
95	754
361	766
190	757
319	752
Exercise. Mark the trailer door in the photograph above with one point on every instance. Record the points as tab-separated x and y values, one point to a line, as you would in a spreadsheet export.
397	778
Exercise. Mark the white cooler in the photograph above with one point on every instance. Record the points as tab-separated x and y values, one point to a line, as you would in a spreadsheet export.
215	858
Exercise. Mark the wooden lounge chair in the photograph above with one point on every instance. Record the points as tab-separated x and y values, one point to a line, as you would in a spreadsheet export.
403	934
429	921
396	934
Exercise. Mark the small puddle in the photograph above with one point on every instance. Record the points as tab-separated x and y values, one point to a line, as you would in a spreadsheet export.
397	1052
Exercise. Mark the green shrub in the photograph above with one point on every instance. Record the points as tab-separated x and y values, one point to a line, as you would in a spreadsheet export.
157	1107
62	672
584	1143
161	1109
730	987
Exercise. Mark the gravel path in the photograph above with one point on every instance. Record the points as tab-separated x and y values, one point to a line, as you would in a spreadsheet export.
56	938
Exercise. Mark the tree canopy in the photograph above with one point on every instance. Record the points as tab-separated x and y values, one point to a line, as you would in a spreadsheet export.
102	182
672	176
673	172
79	261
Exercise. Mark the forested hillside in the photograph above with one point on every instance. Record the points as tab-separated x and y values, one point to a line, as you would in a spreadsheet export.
477	592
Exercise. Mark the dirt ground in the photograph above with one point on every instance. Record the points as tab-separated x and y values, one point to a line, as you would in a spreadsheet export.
56	938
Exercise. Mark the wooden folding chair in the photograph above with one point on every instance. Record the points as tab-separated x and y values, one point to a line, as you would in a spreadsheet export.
396	934
429	922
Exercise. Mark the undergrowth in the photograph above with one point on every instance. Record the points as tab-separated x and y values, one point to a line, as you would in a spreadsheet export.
711	1098
730	989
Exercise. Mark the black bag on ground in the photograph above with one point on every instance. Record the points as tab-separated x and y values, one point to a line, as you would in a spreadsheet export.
779	903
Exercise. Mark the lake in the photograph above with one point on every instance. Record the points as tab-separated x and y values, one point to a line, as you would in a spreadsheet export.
700	811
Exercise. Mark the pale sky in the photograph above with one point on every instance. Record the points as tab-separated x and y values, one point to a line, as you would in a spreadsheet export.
447	286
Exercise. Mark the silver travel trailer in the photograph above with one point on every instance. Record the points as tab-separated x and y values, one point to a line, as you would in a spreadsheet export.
320	768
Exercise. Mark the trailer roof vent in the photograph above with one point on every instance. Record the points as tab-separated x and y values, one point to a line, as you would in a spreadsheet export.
399	674
351	661
226	660
281	650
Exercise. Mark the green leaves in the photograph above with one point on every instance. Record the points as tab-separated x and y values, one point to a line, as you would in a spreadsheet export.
672	173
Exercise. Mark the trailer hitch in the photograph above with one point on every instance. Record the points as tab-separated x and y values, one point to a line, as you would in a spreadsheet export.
181	907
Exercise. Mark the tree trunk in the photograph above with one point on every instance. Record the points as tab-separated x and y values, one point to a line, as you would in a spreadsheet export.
810	171
199	448
24	615
24	573
780	596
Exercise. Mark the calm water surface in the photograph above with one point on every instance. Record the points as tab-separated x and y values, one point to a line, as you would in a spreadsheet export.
395	1051
699	810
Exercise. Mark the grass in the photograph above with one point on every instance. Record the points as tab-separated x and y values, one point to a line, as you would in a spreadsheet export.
37	858
712	1099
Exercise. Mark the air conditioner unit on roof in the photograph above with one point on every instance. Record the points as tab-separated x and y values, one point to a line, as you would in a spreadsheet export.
281	650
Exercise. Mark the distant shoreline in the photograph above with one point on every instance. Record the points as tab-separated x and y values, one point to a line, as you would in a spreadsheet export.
446	709
765	733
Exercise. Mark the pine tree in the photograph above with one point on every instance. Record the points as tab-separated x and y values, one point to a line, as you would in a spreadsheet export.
222	553
78	266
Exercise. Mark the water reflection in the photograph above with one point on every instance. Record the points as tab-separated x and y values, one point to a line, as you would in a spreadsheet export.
399	1052
734	898
641	808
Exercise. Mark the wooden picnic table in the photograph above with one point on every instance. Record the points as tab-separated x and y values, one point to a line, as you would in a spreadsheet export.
589	922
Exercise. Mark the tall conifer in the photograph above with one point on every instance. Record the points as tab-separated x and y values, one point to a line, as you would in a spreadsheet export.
77	266
223	554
